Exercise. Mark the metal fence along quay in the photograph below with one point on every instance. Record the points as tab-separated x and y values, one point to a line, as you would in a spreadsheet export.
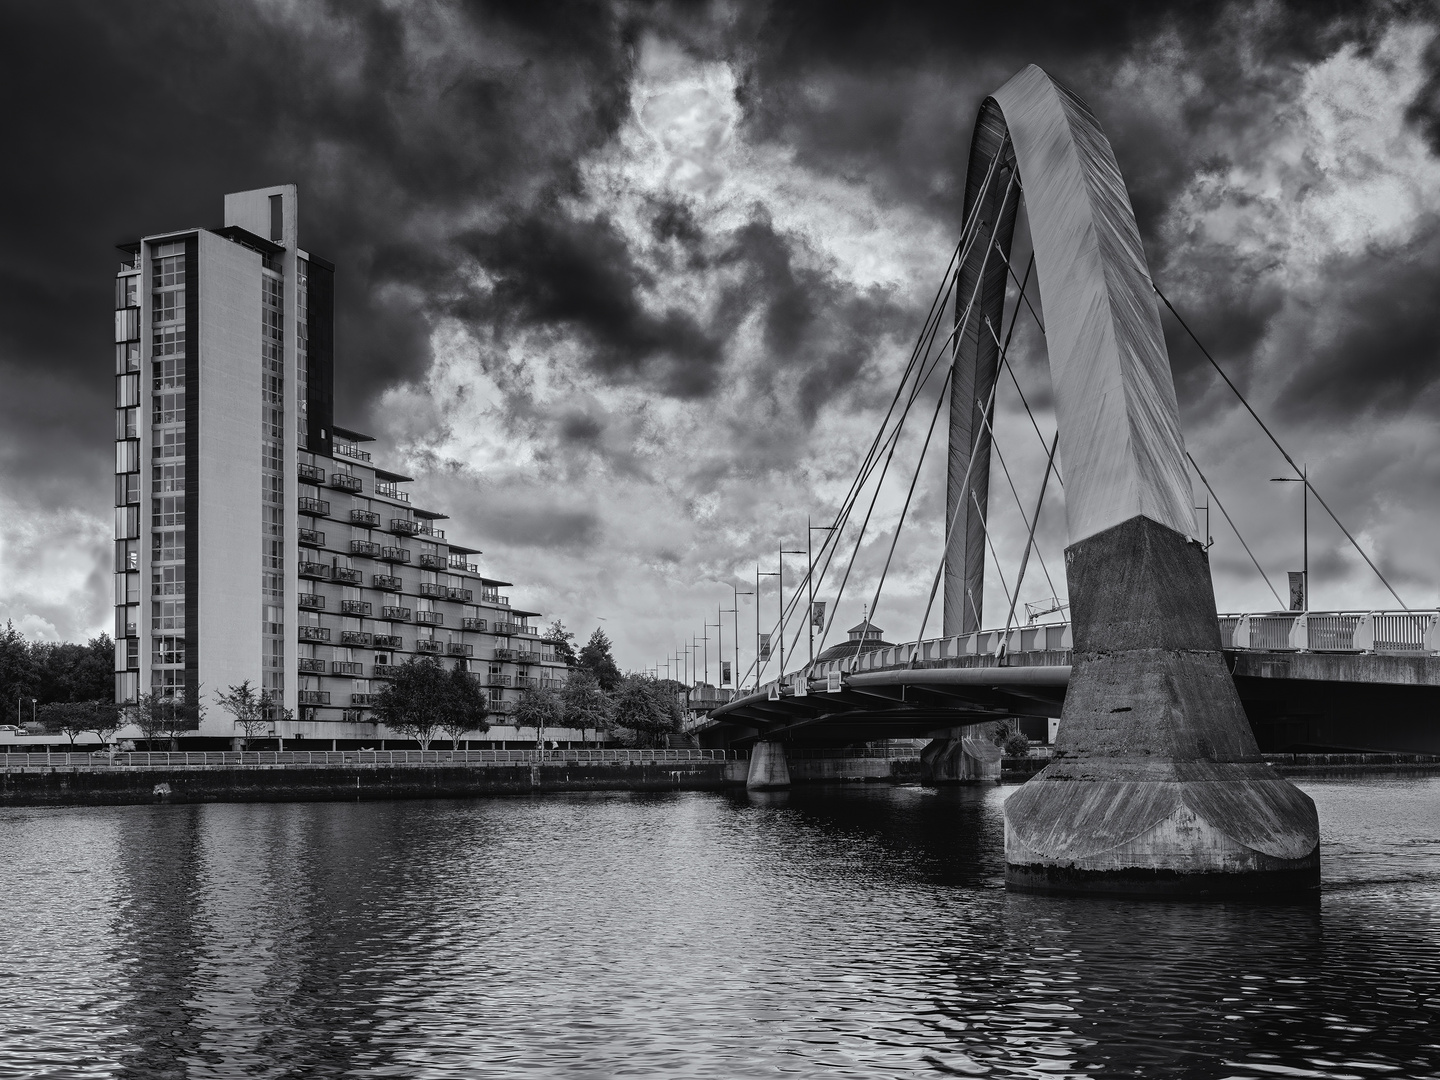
232	759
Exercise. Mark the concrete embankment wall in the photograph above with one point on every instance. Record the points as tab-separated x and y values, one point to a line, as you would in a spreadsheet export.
808	770
78	786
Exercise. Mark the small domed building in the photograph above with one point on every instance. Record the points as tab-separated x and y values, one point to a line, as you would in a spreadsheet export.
867	634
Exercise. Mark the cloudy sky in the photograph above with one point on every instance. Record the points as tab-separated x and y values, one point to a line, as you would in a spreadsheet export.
627	287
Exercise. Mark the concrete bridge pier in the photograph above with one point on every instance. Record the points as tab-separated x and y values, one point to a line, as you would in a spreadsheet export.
965	755
769	770
1156	786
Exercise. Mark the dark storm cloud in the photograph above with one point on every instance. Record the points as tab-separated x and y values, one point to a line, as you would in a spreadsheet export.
1373	341
134	118
581	275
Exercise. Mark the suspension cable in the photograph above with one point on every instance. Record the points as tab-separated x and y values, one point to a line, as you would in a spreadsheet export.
1300	473
895	539
960	323
995	444
1234	528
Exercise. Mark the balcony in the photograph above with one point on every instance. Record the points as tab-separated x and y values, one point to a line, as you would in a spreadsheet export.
457	648
497	680
355	607
430	618
311	602
395	554
318	507
318	570
344	481
361	638
312	665
427	645
463	595
349	575
313	697
389	641
368	518
391	490
395	614
472	624
386	582
504	654
429	588
457	562
363	701
526	681
350	450
313	633
354	716
346	667
404	526
427	561
383	671
502	706
310	538
310	474
490	596
365	547
428	529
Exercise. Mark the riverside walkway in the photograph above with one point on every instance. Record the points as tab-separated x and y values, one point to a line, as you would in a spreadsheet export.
351	759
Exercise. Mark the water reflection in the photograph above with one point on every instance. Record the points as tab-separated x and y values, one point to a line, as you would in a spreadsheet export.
860	931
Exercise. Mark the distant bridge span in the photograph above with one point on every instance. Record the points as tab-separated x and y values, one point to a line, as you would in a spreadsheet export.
1332	680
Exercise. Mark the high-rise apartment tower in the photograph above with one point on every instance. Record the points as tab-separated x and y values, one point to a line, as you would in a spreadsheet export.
253	538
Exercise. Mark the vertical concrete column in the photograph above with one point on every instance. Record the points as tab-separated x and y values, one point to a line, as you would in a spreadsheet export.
1156	786
768	768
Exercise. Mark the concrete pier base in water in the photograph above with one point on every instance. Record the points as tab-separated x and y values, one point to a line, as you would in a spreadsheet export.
967	756
769	770
1156	786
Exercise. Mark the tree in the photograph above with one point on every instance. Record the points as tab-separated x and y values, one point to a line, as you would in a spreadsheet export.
413	703
105	719
585	704
251	708
648	707
559	638
165	714
18	678
69	718
596	658
539	708
66	671
147	713
466	706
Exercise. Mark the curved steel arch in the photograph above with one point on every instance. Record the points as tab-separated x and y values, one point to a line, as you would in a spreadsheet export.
1114	397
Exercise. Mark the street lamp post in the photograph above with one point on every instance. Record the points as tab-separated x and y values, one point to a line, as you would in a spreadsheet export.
758	576
783	553
1304	480
735	610
810	531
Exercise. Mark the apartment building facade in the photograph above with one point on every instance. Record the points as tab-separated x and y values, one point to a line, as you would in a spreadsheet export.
253	538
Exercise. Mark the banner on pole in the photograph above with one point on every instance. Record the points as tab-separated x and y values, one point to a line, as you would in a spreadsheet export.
817	614
1297	591
764	646
724	672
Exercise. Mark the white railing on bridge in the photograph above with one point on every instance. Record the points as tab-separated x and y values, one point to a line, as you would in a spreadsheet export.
229	759
1414	633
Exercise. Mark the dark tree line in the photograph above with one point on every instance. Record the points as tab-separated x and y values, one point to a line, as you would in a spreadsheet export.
52	672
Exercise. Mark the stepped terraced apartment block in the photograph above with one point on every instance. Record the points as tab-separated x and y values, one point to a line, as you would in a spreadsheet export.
254	539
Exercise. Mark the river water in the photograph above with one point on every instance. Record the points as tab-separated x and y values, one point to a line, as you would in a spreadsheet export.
858	931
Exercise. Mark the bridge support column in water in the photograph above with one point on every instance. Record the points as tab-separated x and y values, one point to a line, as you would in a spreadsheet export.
965	756
769	771
1156	786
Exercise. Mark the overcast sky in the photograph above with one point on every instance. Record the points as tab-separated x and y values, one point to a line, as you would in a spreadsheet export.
627	287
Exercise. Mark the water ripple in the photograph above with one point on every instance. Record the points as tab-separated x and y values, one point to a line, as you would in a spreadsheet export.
858	932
